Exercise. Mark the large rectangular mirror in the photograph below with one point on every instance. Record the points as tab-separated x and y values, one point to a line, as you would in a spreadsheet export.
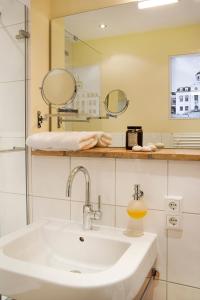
123	47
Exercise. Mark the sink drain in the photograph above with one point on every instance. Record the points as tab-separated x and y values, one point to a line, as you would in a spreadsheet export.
75	271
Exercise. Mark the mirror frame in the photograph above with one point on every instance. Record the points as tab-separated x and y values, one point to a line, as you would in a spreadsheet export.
115	114
43	93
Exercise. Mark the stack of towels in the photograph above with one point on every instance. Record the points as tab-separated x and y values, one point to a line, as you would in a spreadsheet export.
69	140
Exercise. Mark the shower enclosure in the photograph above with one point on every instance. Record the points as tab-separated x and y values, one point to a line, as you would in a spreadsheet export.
13	94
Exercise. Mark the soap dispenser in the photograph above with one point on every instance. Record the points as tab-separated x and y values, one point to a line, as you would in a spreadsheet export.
136	210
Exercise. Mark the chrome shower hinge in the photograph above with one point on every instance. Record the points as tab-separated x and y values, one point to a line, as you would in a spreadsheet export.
23	34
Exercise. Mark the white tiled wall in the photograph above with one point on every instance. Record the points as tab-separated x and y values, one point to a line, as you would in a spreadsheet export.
12	117
12	70
178	252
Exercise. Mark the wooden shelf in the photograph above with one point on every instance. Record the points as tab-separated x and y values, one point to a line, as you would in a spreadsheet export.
163	154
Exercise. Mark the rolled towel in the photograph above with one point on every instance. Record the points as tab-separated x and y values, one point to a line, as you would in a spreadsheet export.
63	141
104	139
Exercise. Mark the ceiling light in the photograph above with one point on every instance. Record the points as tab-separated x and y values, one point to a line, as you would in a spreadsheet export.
102	26
153	3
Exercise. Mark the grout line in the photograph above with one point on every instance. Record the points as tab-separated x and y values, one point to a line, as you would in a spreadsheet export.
11	193
70	202
115	186
13	81
10	25
167	262
107	204
47	197
179	284
190	213
167	178
167	240
152	209
189	286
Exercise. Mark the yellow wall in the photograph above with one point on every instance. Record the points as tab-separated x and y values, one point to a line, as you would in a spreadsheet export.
61	8
57	43
40	16
138	64
41	13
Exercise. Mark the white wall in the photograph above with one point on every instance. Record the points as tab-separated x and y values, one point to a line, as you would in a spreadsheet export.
179	252
12	117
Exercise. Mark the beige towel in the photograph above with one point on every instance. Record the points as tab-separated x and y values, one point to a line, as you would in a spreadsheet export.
104	139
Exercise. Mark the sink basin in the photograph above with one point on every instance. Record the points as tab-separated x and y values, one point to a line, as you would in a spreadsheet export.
55	259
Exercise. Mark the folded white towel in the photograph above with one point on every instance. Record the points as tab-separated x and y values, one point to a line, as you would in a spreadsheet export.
104	139
68	140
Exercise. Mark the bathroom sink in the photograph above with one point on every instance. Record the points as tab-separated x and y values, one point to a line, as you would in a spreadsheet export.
55	259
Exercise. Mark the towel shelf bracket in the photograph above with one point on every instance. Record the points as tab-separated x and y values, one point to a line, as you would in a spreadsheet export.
68	117
40	119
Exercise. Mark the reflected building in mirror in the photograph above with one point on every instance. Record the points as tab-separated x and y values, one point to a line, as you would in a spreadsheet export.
185	101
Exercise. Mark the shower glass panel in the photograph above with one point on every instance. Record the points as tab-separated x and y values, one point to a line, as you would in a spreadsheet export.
13	44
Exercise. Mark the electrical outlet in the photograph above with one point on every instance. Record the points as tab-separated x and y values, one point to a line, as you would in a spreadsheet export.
174	204
174	222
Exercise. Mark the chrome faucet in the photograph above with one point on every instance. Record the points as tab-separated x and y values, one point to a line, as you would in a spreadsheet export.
88	213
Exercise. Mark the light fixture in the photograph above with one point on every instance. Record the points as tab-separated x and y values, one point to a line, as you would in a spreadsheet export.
153	3
102	26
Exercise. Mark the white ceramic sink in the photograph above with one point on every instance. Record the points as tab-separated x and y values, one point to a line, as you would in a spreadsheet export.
56	259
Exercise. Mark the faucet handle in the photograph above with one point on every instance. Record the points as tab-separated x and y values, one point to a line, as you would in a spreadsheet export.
98	212
99	202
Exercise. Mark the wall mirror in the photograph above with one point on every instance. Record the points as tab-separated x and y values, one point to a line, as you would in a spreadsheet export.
126	48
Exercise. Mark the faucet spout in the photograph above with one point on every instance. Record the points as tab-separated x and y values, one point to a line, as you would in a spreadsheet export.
87	183
88	213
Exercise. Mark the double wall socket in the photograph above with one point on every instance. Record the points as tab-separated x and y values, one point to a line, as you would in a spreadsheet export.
173	212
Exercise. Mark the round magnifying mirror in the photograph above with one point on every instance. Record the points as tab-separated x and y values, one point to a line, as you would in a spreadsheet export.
116	102
58	87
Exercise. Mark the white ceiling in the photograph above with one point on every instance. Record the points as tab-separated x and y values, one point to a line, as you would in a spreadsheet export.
127	18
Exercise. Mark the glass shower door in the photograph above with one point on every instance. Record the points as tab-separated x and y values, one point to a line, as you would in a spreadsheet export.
13	91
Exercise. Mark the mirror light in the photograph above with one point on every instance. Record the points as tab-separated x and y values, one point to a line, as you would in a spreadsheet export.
102	26
153	3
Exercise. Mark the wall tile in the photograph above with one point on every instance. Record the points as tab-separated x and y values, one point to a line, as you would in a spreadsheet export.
12	12
152	175
184	252
46	207
12	58
118	139
154	222
12	172
108	214
102	173
49	176
25	2
10	142
12	98
180	292
153	137
184	180
12	212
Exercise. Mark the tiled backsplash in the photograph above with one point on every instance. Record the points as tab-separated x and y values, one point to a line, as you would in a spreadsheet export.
119	138
113	179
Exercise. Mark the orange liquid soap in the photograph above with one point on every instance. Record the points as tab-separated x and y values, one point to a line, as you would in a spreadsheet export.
136	214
